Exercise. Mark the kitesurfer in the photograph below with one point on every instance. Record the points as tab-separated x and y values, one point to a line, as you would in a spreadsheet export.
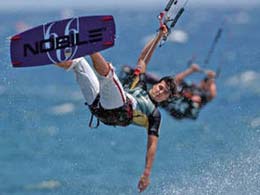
113	105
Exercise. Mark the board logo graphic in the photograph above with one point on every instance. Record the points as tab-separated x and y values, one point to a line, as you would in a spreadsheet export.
60	44
64	47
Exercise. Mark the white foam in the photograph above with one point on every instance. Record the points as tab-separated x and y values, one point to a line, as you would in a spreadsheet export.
249	77
44	185
178	36
245	80
236	176
63	109
255	122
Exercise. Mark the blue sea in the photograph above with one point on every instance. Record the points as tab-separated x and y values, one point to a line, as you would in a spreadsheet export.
46	146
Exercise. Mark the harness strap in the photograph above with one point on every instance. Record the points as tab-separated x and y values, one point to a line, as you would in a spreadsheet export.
121	116
90	124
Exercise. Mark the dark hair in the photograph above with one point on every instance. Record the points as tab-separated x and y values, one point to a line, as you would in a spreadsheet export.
170	81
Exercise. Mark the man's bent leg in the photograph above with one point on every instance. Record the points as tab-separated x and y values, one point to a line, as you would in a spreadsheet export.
111	91
86	79
100	64
112	94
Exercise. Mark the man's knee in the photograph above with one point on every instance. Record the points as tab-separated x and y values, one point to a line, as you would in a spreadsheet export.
100	64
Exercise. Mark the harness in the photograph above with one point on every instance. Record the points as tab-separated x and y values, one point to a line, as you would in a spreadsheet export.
121	116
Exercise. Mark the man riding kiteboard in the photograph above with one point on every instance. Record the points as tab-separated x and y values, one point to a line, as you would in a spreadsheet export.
138	105
112	105
192	96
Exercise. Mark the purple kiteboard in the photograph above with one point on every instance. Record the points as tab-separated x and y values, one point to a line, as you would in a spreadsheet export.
62	40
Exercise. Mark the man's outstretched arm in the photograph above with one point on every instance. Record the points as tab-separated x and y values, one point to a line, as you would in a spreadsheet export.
149	49
211	84
146	55
150	155
180	76
152	141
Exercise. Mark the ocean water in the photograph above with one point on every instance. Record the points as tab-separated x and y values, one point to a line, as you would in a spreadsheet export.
46	146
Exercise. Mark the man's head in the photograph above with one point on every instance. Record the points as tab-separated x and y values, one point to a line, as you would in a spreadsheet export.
164	89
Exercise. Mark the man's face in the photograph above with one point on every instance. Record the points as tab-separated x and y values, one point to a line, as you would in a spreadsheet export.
160	92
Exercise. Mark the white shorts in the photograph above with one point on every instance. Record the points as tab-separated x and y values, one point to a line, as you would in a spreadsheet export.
109	88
